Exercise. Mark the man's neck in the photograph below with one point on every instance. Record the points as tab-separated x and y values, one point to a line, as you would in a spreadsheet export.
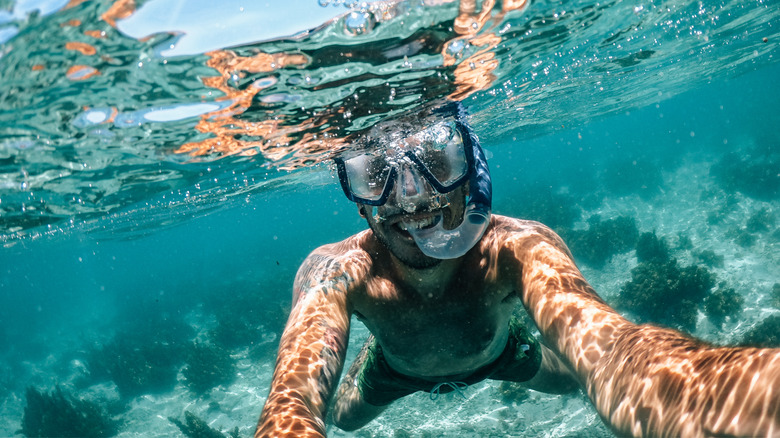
432	280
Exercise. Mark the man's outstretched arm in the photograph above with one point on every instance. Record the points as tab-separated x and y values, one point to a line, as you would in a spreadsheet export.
312	348
644	380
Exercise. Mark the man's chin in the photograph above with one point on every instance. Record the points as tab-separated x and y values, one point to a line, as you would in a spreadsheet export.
404	248
416	261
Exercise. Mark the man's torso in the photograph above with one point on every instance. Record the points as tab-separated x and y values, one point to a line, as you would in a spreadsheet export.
450	329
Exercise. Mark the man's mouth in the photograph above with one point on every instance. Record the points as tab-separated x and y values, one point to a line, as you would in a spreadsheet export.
418	221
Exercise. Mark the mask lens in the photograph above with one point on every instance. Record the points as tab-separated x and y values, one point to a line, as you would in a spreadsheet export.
444	155
437	155
367	175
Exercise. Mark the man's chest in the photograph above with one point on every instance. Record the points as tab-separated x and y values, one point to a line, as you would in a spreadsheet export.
457	306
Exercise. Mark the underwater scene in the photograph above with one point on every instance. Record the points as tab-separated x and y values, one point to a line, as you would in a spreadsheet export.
166	166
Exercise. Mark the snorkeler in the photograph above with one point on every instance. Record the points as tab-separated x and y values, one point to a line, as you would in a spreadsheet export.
436	280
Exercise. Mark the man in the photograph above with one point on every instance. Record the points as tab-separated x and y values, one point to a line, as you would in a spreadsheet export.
436	279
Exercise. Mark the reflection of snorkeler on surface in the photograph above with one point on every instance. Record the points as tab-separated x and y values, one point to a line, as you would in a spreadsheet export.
246	126
435	280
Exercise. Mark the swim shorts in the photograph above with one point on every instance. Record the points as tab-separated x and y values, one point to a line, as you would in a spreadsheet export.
380	385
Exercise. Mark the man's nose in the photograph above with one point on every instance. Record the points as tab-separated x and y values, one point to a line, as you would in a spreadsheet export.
411	189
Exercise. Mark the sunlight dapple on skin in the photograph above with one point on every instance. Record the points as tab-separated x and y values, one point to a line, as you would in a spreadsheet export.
644	380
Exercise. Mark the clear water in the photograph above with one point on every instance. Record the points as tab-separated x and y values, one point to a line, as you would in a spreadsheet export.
158	188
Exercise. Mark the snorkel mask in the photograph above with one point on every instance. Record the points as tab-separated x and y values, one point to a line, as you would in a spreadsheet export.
441	158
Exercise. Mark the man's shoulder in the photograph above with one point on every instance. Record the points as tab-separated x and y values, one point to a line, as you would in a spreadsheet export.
351	249
356	242
345	262
514	225
507	230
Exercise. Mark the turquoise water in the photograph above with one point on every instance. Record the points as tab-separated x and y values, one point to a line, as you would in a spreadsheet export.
147	211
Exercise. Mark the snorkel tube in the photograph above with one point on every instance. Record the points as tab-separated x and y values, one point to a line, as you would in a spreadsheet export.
440	243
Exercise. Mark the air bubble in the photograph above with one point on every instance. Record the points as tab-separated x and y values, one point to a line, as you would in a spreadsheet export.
455	48
358	23
264	82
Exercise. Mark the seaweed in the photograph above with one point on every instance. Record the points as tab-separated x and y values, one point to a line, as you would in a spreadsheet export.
766	334
724	303
241	322
208	365
715	217
760	221
512	392
56	414
649	248
602	239
742	237
665	293
754	174
194	427
143	359
242	317
709	258
136	368
684	242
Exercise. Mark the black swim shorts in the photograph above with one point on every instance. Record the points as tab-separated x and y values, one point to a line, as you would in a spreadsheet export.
380	385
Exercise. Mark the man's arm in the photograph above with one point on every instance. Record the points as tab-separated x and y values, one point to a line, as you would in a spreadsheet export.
312	347
644	380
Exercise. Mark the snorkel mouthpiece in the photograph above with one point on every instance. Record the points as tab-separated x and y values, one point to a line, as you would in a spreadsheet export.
440	243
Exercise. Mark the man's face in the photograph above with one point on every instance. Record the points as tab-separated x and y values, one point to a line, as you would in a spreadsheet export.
399	213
